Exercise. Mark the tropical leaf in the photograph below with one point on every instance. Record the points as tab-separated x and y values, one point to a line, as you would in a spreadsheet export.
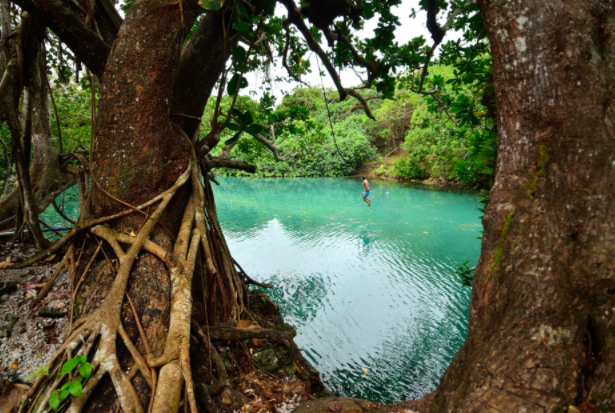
254	129
212	5
234	139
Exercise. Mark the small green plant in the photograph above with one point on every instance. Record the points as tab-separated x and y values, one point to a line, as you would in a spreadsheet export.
72	387
465	274
43	370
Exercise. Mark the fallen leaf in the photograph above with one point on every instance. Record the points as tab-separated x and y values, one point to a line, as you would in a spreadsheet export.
572	409
364	371
11	396
132	233
294	387
6	263
226	396
31	294
297	367
14	366
40	285
61	305
266	391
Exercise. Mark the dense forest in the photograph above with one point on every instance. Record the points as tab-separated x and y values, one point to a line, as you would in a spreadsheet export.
412	136
140	104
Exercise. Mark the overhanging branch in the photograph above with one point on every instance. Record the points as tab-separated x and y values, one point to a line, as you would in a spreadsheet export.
294	17
72	30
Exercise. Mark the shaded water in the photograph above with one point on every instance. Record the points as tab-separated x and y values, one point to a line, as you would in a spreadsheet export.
365	287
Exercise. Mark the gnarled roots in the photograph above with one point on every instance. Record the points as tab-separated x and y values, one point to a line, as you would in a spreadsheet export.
97	332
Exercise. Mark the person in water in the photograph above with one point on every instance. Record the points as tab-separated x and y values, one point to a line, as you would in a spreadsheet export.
367	191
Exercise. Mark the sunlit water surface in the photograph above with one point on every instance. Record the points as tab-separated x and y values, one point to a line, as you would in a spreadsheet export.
367	288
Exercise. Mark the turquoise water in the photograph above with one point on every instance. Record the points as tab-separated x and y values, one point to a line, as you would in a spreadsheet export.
366	287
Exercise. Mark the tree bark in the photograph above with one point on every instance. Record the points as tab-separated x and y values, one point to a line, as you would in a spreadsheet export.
541	315
202	61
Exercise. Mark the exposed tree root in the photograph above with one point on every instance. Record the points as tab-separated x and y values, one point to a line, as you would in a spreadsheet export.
97	332
104	324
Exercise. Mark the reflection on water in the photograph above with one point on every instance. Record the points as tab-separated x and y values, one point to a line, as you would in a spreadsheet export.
366	287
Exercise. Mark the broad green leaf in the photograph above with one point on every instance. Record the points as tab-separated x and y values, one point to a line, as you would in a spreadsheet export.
243	12
85	370
54	400
213	5
64	393
237	113
242	27
75	389
234	139
234	127
247	118
232	84
254	129
239	54
68	366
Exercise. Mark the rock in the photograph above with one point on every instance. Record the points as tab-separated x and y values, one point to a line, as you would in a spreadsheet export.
7	328
267	360
286	328
337	405
261	305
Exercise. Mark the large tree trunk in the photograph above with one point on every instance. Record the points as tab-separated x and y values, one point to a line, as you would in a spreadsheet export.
139	154
541	315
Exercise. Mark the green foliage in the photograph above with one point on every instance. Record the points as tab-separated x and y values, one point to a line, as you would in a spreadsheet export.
408	167
42	370
74	387
465	274
301	134
450	137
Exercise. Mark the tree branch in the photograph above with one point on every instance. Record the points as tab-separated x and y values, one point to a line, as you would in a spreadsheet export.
294	17
72	30
271	146
224	162
201	63
370	66
293	75
437	35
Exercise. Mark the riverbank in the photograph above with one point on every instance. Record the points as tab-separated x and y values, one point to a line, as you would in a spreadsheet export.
382	170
